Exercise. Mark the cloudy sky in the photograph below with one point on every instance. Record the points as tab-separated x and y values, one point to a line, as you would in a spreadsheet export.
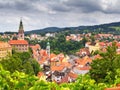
38	14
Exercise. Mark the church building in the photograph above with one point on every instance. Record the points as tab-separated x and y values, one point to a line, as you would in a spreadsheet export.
20	44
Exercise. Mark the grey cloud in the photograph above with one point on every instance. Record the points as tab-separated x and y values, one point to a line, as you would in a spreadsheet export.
84	6
60	8
89	6
21	5
46	13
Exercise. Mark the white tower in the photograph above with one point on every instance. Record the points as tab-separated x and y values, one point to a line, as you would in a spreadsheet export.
48	49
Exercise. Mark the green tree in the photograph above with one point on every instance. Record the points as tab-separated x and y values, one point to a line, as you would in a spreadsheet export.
21	62
84	40
104	69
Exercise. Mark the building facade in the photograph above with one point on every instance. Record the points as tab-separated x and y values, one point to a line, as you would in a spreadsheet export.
19	45
5	50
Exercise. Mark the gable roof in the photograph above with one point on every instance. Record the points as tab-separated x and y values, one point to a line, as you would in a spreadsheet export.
72	75
18	42
57	68
4	45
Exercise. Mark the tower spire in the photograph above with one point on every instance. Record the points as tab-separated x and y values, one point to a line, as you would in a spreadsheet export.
21	26
21	30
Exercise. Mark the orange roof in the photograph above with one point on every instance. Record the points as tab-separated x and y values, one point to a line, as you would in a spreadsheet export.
57	68
61	56
34	52
40	74
35	47
87	58
114	88
97	56
102	43
43	52
118	44
73	75
105	35
84	60
52	55
4	45
42	60
66	64
79	61
84	68
14	42
64	79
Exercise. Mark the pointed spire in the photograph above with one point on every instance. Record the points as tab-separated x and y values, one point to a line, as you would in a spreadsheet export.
21	31
21	26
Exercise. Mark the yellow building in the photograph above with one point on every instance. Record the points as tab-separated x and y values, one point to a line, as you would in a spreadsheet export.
5	49
93	48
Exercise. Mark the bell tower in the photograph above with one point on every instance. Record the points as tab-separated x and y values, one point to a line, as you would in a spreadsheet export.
21	31
48	49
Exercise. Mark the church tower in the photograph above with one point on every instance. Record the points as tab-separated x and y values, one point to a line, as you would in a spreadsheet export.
48	49
21	31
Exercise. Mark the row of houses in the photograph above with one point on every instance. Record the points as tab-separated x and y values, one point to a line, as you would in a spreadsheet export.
79	37
61	68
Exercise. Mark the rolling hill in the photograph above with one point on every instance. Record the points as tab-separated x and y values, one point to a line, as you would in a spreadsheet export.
107	28
102	28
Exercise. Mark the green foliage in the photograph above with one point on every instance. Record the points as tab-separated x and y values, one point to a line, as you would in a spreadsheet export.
104	69
14	38
60	44
84	40
21	62
4	39
22	81
16	80
115	27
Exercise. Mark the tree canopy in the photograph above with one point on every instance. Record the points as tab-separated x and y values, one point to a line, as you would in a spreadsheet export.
21	62
104	69
59	44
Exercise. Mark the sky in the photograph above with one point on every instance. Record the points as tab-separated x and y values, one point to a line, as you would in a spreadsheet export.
38	14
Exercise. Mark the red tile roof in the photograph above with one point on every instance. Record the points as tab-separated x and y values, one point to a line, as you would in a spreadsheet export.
4	45
42	60
64	80
84	68
52	55
43	53
97	56
102	43
57	68
66	64
118	44
114	88
40	74
14	42
35	47
84	60
72	75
